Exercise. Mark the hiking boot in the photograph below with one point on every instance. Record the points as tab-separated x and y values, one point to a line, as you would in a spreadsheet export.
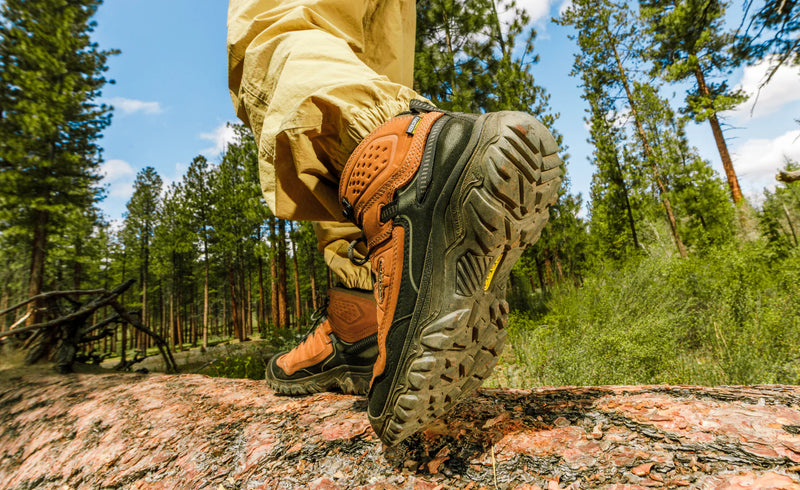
338	353
447	202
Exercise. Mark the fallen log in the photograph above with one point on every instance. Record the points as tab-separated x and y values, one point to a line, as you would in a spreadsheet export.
191	431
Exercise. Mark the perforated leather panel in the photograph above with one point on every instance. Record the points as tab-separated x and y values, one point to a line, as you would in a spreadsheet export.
370	164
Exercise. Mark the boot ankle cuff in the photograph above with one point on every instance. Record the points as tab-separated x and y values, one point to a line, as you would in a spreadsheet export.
352	314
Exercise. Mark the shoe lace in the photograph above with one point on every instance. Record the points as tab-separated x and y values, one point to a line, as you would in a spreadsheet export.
388	211
316	319
352	248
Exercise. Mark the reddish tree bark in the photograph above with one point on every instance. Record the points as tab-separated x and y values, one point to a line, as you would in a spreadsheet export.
283	315
189	431
719	139
38	254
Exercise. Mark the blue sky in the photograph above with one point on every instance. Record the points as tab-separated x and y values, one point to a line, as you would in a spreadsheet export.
172	101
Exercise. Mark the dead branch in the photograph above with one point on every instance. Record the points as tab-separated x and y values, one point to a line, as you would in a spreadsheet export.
64	334
125	365
788	177
163	347
111	319
84	312
20	321
54	294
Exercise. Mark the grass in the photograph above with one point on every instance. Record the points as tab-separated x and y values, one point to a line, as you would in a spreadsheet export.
730	316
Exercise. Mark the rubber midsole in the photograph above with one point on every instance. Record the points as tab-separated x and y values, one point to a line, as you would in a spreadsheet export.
332	375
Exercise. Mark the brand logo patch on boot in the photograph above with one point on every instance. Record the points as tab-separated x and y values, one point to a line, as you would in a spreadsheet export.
492	270
412	126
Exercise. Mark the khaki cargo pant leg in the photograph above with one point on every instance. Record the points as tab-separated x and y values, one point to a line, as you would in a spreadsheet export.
312	78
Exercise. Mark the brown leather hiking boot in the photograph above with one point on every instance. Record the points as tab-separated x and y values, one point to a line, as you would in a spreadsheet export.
447	202
339	353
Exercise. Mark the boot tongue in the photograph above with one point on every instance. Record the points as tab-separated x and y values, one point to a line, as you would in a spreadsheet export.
385	161
351	314
371	165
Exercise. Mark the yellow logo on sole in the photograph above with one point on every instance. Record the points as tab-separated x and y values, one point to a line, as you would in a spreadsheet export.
492	270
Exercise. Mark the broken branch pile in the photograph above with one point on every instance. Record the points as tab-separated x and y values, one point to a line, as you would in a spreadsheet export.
61	336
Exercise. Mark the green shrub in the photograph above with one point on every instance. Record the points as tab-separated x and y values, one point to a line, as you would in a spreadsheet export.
252	367
252	361
730	316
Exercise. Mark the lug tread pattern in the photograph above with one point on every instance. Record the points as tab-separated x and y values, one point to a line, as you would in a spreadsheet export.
501	214
470	270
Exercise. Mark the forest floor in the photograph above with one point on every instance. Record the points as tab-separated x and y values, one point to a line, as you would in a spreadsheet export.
190	360
196	359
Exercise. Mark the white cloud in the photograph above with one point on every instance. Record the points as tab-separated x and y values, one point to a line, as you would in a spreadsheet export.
221	136
132	106
539	10
113	170
119	175
121	190
783	89
757	161
564	6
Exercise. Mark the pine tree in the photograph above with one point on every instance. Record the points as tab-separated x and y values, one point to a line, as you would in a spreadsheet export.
52	75
689	42
238	222
451	49
141	220
468	60
707	215
612	222
605	28
780	214
197	182
771	32
75	246
175	249
283	315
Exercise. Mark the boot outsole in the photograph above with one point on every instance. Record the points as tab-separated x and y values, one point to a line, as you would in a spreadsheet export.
498	207
343	378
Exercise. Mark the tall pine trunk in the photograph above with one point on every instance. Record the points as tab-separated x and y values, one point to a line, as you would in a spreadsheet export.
719	139
312	275
237	327
249	303
224	316
38	254
172	334
243	298
3	305
77	268
283	318
297	312
205	290
648	150
273	266
624	187
261	299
